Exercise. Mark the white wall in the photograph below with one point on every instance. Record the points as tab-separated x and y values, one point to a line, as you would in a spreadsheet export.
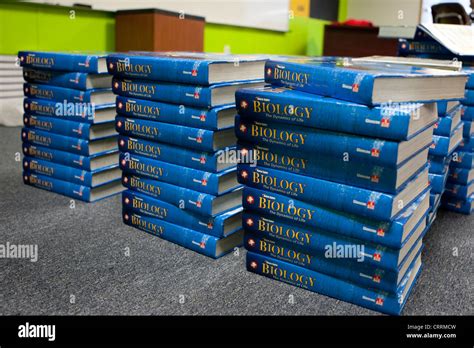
386	12
263	14
396	12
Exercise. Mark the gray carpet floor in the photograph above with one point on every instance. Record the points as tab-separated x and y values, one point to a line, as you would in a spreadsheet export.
83	266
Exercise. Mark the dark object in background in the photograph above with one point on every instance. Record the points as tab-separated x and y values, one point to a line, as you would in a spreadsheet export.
450	13
158	30
356	41
324	9
82	5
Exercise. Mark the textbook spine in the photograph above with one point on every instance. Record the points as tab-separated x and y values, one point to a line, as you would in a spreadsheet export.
280	137
144	205
325	285
195	96
193	138
55	61
199	242
350	199
200	160
186	199
169	113
65	188
193	179
289	107
327	81
58	126
366	276
294	211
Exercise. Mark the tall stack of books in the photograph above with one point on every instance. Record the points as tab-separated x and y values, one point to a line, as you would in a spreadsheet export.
69	138
337	194
459	193
11	91
434	41
175	118
446	138
448	130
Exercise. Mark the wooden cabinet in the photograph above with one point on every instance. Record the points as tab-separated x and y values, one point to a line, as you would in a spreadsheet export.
352	41
158	30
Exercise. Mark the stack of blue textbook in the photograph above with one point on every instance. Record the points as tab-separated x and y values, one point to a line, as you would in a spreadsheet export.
175	116
69	138
336	192
459	193
447	136
451	170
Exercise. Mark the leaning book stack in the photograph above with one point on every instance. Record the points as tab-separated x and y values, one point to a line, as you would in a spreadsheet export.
459	193
451	176
447	136
175	116
336	186
69	137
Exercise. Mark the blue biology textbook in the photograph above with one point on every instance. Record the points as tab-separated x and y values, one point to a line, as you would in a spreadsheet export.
187	137
438	182
459	205
375	177
186	67
80	130
350	199
66	61
468	113
468	129
439	164
199	242
352	147
74	80
325	260
392	234
445	107
459	191
196	96
219	226
330	286
78	112
461	176
73	190
366	83
315	242
278	104
97	96
462	159
204	204
201	160
448	123
444	146
69	144
213	183
89	163
77	176
212	119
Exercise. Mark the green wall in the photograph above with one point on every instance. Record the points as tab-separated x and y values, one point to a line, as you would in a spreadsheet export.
305	36
43	27
26	26
342	14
